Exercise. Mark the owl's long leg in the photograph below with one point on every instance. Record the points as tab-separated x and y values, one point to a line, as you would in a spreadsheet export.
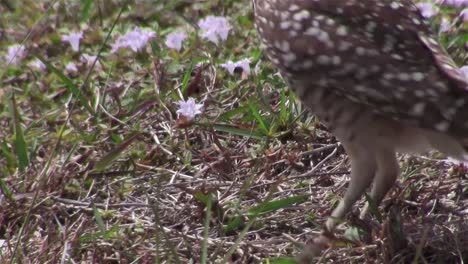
387	172
363	169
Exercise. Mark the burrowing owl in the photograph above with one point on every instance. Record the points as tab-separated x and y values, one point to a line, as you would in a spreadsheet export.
373	72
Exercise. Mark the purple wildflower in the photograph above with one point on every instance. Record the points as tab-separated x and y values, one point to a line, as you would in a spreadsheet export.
174	40
71	67
427	10
37	64
189	108
214	28
244	64
16	53
73	39
89	60
136	40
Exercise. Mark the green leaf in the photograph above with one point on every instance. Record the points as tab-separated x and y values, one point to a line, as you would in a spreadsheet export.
186	80
256	54
87	4
277	204
99	221
19	141
5	190
204	199
112	232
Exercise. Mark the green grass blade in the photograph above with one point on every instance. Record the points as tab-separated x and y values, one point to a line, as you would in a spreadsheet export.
277	204
87	4
283	111
226	116
9	156
259	118
113	154
203	198
233	224
294	112
186	80
99	221
68	84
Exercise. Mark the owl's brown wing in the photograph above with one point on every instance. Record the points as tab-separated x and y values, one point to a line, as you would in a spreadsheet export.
378	53
400	18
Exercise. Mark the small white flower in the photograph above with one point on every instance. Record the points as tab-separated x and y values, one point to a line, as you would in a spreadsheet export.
244	64
174	40
136	40
189	108
71	67
15	55
214	28
73	39
37	64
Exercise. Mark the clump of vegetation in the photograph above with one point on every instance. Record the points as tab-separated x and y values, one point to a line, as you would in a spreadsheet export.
157	132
